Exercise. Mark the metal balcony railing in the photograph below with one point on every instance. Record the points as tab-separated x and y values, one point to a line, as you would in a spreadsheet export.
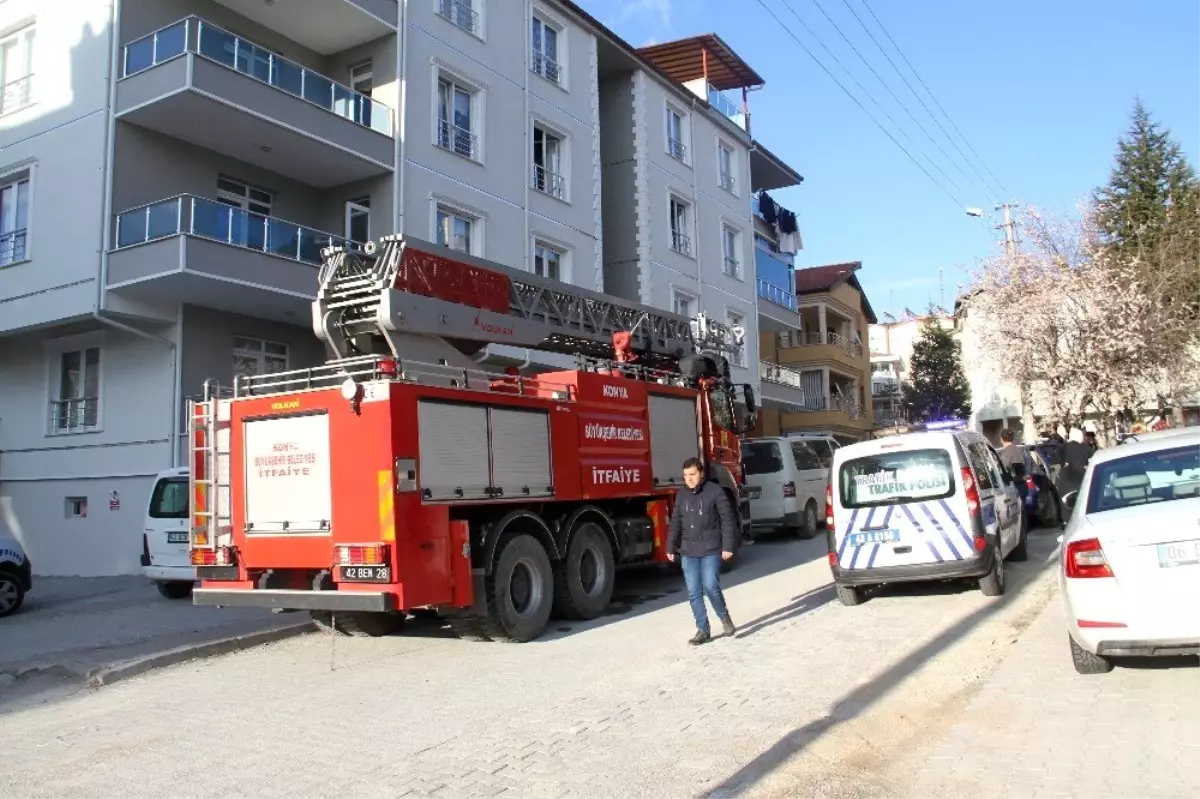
459	141
194	35
12	246
732	267
851	348
77	415
545	66
677	149
780	296
549	182
728	183
195	216
16	95
848	405
728	107
460	12
681	243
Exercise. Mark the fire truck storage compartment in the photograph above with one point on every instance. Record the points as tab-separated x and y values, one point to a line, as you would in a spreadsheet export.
674	437
471	451
287	474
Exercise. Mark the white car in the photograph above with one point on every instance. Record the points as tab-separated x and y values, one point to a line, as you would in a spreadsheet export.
1130	564
166	555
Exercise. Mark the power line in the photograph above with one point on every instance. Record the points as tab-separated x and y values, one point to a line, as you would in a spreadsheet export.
920	80
832	77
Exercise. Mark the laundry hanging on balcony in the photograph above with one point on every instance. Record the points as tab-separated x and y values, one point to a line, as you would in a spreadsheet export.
768	208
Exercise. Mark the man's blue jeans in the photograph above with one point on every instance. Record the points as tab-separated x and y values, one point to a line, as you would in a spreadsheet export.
703	579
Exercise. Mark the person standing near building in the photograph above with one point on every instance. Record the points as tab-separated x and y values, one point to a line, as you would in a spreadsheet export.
702	531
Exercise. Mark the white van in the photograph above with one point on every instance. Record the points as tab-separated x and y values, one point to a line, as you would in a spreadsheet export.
922	506
166	556
785	481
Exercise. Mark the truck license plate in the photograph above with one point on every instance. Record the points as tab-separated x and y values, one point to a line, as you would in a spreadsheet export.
874	537
365	574
177	538
753	492
1181	553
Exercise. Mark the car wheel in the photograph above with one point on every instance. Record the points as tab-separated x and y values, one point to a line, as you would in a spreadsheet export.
175	590
992	583
12	594
849	595
809	527
1087	663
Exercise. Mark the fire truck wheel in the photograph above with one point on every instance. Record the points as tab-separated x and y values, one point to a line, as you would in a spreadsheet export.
372	625
583	580
520	591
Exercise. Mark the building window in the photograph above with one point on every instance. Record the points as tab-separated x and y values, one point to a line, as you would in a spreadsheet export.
725	168
545	60
683	303
676	135
548	152
16	70
76	507
462	13
14	220
736	320
76	408
358	220
549	261
239	195
681	241
362	81
455	229
732	266
455	119
252	356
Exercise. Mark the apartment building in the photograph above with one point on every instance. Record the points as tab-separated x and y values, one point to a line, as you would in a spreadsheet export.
815	377
172	168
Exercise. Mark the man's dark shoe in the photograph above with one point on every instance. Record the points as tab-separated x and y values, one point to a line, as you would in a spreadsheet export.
727	623
700	637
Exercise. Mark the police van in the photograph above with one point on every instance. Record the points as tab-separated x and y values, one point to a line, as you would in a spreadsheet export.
930	505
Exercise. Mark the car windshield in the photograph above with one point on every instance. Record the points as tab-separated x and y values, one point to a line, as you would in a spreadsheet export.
896	477
761	457
169	500
1161	476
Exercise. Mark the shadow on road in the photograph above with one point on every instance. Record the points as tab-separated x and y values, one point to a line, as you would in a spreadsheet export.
808	601
853	704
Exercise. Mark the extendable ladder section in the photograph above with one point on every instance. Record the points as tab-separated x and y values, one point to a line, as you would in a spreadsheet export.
209	419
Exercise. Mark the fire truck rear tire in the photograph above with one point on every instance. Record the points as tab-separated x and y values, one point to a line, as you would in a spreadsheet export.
520	591
583	580
373	625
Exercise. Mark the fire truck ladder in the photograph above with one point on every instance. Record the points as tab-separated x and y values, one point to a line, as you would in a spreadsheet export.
209	468
404	285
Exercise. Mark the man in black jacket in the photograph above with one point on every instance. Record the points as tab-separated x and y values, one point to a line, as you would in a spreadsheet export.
703	531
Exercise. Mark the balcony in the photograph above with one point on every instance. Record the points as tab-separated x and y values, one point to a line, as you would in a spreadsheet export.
459	141
12	247
805	348
777	305
549	182
16	95
729	108
217	256
461	13
326	27
681	243
202	84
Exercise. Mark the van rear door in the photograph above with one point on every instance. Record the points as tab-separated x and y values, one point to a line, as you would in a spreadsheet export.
901	508
764	466
166	524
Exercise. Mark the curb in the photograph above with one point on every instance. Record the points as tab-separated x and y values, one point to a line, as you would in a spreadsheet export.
107	675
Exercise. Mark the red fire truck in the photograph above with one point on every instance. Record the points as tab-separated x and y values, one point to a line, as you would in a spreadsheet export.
374	486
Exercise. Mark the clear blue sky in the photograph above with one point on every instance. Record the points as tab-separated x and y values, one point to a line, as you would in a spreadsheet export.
1040	88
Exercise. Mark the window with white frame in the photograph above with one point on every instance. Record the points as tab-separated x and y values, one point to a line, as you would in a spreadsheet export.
358	219
681	240
253	356
14	218
545	57
549	261
233	192
456	229
16	69
362	81
456	118
76	404
736	320
548	173
677	145
683	303
463	13
725	168
730	238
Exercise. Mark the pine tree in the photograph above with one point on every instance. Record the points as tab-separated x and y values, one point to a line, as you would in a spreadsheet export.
938	389
1151	193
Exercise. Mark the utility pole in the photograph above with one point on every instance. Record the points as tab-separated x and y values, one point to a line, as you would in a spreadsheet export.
1009	227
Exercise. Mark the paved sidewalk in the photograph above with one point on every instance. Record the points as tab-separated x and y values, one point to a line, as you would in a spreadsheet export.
1037	728
73	627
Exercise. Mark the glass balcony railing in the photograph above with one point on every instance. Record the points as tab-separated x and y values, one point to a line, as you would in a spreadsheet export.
772	293
209	219
194	35
728	107
774	276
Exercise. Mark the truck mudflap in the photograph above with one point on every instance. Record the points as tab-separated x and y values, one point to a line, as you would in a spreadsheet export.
366	601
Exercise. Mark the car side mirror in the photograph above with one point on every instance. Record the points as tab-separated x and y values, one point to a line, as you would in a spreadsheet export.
748	397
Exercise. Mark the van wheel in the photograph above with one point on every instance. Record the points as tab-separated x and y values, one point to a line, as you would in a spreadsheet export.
849	595
992	583
12	594
520	591
583	580
809	527
175	590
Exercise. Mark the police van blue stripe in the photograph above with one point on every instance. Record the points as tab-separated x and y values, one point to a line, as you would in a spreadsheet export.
942	532
846	537
887	521
954	518
921	531
858	549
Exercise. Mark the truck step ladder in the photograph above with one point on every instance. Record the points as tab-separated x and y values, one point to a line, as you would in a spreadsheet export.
209	419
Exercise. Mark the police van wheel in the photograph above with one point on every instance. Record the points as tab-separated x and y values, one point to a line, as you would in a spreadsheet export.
849	595
12	593
992	583
175	589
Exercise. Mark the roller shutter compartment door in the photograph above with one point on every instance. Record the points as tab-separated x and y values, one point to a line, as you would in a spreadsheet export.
454	450
521	452
673	437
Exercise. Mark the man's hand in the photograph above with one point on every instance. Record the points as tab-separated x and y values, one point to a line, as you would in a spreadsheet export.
671	556
726	555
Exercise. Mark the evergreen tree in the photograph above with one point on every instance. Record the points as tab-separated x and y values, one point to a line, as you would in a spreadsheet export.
1151	193
938	389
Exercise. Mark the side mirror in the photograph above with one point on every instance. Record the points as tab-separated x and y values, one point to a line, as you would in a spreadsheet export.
748	397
